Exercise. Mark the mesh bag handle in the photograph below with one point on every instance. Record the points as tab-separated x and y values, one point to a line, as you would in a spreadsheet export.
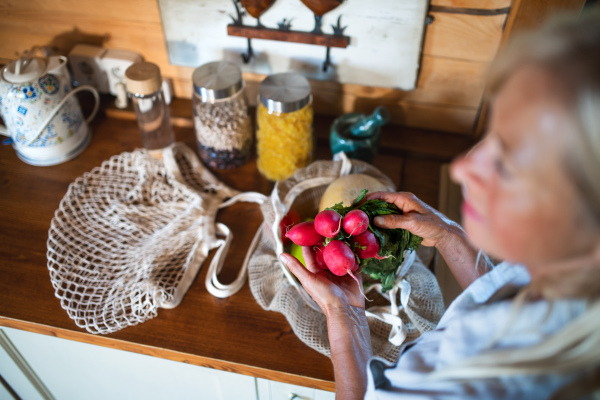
213	285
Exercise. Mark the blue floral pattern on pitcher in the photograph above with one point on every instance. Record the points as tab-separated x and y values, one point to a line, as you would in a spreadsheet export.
73	119
49	84
30	92
48	137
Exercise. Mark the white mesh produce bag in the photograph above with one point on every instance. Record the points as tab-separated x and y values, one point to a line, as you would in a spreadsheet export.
130	236
414	306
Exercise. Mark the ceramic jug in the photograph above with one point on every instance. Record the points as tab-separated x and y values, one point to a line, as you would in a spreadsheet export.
42	116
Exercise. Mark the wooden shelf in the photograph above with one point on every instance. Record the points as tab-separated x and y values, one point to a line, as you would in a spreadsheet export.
257	32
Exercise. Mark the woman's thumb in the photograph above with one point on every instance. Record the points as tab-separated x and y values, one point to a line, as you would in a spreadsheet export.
392	221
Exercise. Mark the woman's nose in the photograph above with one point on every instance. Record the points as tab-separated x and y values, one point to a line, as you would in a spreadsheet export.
473	168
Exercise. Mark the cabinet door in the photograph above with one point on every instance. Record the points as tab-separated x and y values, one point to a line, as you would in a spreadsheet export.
74	370
271	390
14	376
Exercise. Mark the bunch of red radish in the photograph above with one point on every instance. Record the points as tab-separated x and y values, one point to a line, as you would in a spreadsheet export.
335	250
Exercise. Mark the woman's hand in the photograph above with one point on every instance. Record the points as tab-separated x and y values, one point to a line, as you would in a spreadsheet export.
332	293
418	218
436	230
341	300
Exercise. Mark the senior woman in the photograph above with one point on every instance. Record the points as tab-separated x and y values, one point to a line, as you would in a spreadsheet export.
529	328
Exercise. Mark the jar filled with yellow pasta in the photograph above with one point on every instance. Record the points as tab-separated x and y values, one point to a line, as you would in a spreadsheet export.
284	131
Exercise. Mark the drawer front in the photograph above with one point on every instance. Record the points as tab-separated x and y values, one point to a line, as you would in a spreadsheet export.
74	370
15	379
271	390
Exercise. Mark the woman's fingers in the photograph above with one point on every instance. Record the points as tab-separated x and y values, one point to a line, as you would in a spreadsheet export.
403	200
417	218
392	221
411	221
317	285
310	260
296	268
325	288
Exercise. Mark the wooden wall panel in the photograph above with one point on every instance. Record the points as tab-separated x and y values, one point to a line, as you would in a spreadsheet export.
465	37
130	10
457	52
430	116
524	15
449	81
63	28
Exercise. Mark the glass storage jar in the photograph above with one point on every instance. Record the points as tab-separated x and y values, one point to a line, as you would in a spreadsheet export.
143	82
223	127
284	130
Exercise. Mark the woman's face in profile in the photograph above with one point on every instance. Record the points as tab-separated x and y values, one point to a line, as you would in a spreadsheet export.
520	204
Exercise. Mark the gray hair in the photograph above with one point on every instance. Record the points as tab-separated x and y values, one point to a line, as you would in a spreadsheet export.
568	48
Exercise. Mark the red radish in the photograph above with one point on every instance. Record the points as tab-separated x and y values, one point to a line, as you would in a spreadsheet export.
356	222
319	256
365	245
339	257
304	234
291	218
341	260
356	265
328	223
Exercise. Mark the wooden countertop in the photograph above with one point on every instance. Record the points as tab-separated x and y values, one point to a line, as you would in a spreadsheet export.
233	334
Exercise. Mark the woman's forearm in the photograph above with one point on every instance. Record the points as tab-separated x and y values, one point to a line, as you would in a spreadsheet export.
460	256
350	342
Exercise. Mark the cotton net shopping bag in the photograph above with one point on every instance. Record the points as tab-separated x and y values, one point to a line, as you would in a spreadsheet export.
130	236
414	306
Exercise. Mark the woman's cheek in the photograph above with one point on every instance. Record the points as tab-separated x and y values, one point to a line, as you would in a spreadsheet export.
480	237
513	226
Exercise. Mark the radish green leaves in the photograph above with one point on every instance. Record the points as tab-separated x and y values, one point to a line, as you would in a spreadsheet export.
392	242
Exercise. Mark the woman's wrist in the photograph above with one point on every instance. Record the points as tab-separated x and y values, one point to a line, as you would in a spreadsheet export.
350	342
349	332
460	256
452	236
343	311
345	318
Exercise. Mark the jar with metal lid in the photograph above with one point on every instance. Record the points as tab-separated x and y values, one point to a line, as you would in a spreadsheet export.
284	129
223	127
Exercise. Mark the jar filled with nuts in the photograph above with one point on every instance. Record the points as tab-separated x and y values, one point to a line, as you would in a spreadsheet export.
223	127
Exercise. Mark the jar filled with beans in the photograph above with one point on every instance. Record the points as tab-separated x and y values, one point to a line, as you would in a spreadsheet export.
223	127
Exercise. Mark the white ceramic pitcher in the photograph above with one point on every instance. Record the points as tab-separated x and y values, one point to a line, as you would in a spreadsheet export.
42	116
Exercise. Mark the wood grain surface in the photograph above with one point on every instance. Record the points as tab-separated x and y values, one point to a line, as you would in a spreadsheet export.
233	334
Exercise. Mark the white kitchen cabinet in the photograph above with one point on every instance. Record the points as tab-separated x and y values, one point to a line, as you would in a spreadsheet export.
4	393
74	370
14	376
271	390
